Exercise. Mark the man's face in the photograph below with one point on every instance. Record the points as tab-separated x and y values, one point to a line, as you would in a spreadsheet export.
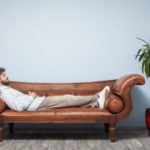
4	79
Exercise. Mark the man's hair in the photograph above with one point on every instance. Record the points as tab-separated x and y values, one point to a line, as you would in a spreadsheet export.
2	70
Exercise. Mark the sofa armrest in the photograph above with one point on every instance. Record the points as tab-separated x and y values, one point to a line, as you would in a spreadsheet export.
114	104
122	87
127	82
2	105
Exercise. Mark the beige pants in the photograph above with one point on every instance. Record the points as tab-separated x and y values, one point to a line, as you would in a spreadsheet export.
68	100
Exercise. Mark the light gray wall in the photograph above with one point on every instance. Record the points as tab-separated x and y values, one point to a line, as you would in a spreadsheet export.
75	40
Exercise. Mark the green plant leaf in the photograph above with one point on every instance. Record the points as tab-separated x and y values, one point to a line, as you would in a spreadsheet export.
147	68
143	66
144	55
138	53
148	47
142	40
149	65
141	57
146	71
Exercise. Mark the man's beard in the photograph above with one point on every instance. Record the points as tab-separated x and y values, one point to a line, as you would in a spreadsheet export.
5	82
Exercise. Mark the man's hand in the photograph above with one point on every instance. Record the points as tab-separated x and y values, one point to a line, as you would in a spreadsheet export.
33	94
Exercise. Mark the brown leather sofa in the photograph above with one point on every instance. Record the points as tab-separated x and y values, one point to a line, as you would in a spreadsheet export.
118	106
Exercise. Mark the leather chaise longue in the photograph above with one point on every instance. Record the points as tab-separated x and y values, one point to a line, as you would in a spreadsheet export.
118	106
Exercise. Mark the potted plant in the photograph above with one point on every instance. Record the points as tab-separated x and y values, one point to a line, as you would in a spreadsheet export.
143	55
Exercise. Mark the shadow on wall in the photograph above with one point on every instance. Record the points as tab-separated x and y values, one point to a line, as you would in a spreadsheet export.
137	116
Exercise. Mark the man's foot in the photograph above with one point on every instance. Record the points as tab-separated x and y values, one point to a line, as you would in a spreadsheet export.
103	95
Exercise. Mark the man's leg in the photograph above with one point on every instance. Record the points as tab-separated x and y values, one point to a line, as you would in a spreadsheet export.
68	100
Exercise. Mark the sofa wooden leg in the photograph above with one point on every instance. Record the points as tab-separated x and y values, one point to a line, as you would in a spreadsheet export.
11	127
1	132
106	127
112	132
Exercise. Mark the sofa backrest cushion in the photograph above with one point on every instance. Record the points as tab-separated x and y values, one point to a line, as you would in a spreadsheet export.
50	89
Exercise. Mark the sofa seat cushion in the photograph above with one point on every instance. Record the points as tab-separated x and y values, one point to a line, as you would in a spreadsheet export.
59	115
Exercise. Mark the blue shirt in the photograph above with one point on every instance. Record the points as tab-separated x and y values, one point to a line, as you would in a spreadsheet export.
19	101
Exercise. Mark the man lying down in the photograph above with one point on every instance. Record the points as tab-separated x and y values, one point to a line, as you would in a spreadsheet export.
19	101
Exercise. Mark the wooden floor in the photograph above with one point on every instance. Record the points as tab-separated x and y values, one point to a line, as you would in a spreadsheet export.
74	139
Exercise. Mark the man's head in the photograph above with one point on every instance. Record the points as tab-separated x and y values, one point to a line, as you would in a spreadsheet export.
3	77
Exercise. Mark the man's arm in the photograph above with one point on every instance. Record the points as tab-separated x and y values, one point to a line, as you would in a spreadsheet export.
33	94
